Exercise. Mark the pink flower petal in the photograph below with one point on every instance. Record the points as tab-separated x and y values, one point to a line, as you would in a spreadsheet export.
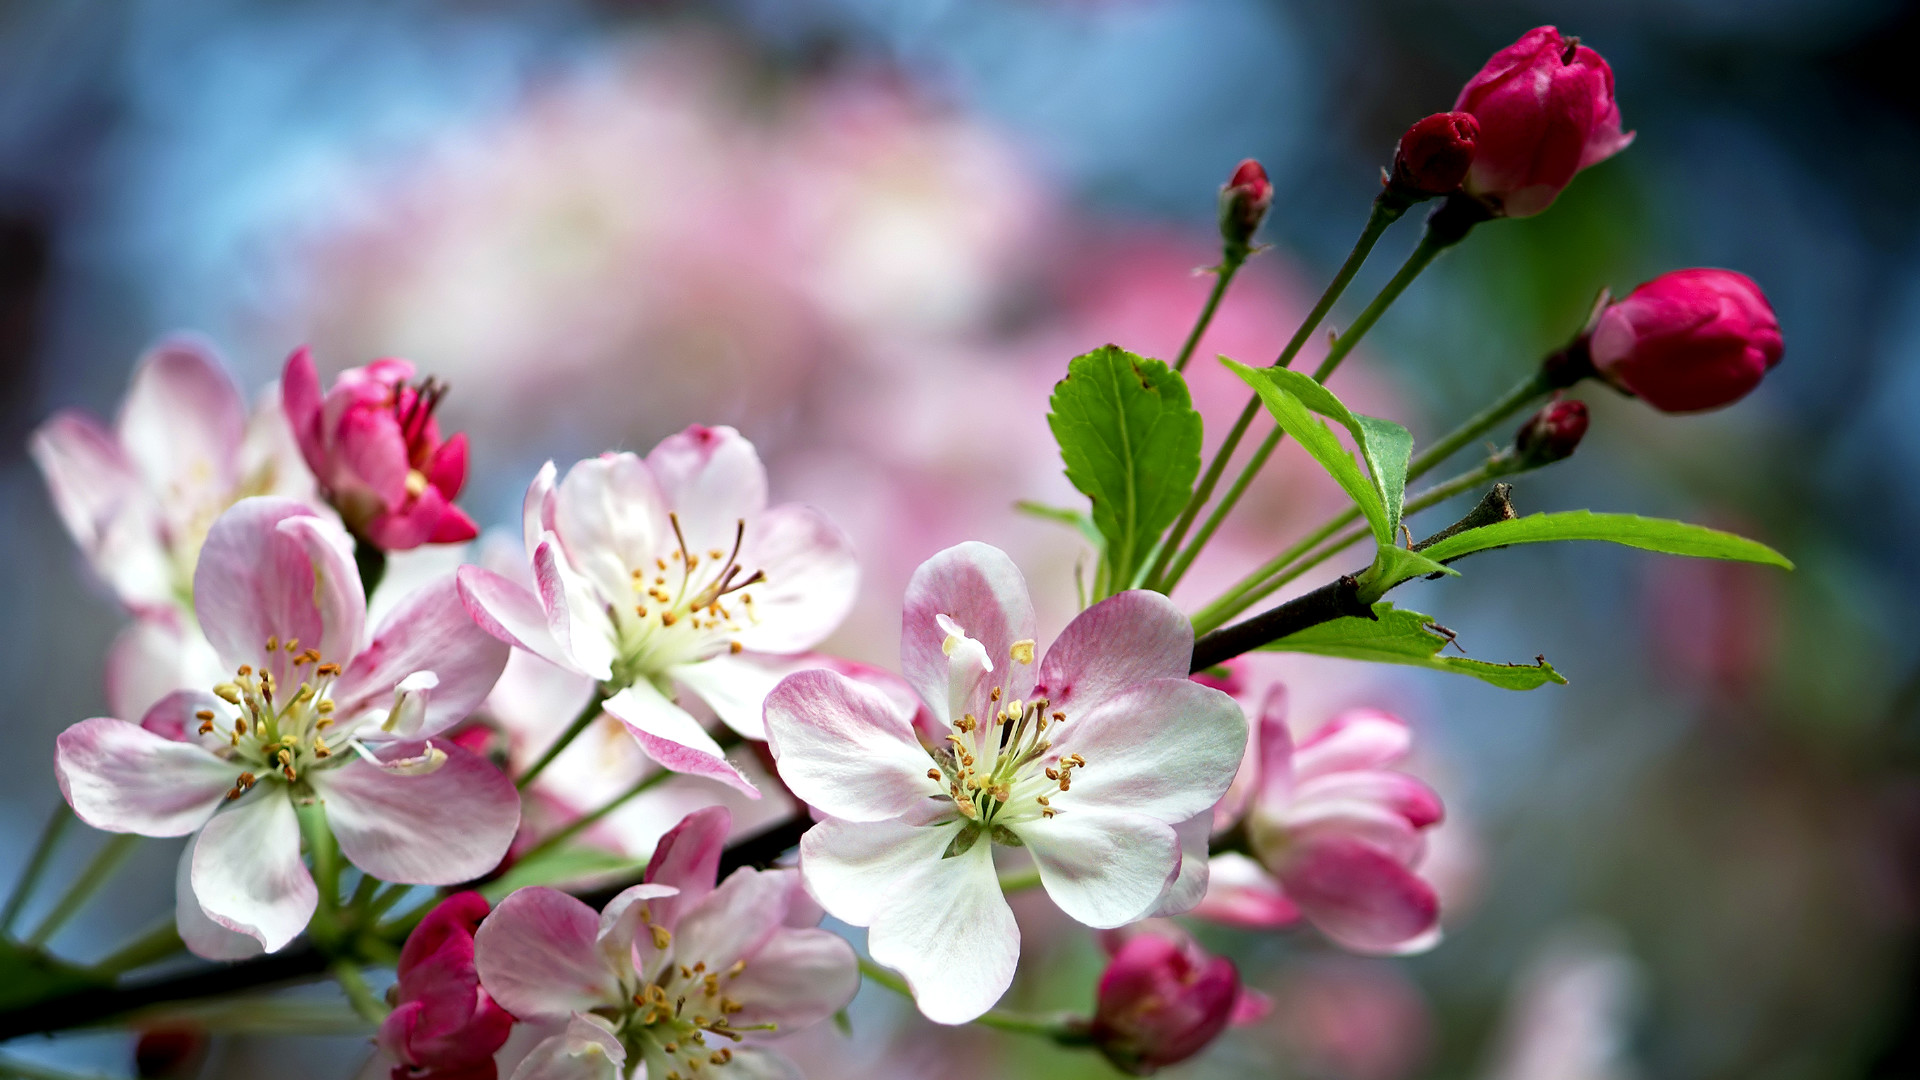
1241	893
247	871
586	1051
1378	826
270	569
620	923
688	858
1355	739
1103	867
430	630
796	979
812	578
978	587
152	657
844	748
538	956
439	828
1394	791
510	613
733	921
182	422
1166	749
302	397
576	617
122	778
673	738
1360	896
713	479
537	509
1115	644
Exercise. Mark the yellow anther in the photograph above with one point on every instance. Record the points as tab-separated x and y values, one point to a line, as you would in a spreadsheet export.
1022	651
933	774
735	647
661	939
293	644
640	610
995	695
273	643
325	707
228	693
246	670
667	618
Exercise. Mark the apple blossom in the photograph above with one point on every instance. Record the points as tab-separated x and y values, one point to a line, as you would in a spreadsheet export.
1338	836
1552	434
1163	999
1688	340
444	1026
318	709
138	497
1546	110
1088	759
375	446
677	973
671	574
1435	154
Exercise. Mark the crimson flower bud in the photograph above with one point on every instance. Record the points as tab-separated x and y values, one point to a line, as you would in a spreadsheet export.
1244	202
444	1025
169	1052
1688	340
1552	433
1546	111
1435	153
1162	1001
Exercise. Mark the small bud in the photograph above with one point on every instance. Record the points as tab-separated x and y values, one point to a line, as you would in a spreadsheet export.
1435	154
1161	1001
1243	203
1688	340
170	1052
1552	434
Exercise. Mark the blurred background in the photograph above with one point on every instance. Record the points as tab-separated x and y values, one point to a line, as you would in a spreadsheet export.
870	233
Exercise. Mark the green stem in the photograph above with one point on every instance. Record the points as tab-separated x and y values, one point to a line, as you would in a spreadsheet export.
1383	214
1522	394
105	862
157	944
347	974
586	821
363	892
1058	1028
1222	277
1019	880
43	850
325	852
371	561
586	717
1215	614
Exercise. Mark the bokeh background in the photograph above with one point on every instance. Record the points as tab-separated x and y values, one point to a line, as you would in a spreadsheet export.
870	233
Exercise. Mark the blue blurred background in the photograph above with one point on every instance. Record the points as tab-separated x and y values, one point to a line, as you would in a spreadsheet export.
873	231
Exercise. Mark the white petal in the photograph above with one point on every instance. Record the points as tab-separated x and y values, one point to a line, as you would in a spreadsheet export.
850	867
123	778
735	687
1114	645
429	631
204	937
538	956
1103	867
978	587
844	748
587	1051
672	737
511	613
247	870
1190	887
612	519
1166	749
712	478
812	578
448	826
182	423
948	930
796	979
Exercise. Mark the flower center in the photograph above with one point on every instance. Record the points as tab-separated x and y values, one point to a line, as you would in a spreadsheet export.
276	731
687	606
1003	771
413	408
670	1018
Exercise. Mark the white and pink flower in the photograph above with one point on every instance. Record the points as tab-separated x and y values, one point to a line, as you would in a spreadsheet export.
138	497
318	710
1338	835
669	574
1088	759
676	974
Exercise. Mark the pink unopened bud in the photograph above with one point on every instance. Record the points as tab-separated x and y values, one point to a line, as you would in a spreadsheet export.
1161	1001
443	1024
1688	340
375	447
1546	111
1244	202
1552	433
1435	153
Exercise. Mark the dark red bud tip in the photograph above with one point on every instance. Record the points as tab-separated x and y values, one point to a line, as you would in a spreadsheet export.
164	1053
1244	202
1435	153
1552	434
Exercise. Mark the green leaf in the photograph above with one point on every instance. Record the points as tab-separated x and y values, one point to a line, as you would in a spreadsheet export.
1651	534
560	866
1385	444
1407	637
28	975
1130	438
1076	518
1292	413
1393	565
